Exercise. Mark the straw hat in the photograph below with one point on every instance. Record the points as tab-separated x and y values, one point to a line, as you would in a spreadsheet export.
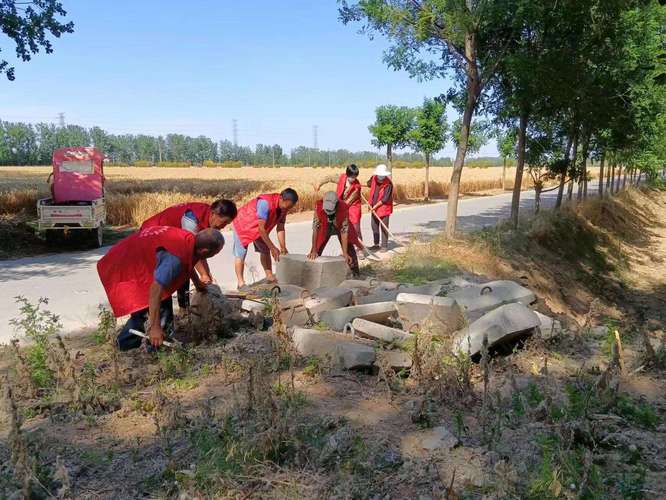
382	170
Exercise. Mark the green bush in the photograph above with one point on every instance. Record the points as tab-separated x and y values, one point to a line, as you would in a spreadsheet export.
142	163
231	164
209	164
174	164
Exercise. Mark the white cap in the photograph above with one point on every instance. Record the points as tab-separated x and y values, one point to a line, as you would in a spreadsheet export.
382	170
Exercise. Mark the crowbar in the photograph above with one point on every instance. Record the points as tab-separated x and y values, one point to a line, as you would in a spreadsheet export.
379	219
141	334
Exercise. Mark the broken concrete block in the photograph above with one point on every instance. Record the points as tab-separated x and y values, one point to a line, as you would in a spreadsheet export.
338	318
548	328
479	299
360	284
428	441
338	348
295	269
327	298
379	332
441	314
211	313
396	359
383	295
253	306
500	325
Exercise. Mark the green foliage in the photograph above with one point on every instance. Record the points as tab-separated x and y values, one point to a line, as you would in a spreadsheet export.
640	412
38	326
142	163
174	363
417	268
106	326
28	25
392	127
429	134
478	135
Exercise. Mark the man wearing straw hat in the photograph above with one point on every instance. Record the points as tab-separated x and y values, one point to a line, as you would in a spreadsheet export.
381	205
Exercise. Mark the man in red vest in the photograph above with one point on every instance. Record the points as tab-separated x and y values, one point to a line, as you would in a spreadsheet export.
141	272
381	204
349	191
194	217
331	218
255	221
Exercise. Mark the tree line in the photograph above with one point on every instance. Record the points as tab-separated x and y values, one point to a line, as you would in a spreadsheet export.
33	144
564	81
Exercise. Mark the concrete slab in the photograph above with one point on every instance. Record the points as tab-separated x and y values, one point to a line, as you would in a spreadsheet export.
339	349
441	314
501	325
379	332
476	300
396	359
383	295
297	269
326	299
338	318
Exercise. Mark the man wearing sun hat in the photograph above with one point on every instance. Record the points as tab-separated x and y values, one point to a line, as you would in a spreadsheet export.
331	218
381	204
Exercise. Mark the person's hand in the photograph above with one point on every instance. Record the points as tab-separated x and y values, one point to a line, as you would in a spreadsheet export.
284	251
156	335
206	279
348	259
275	253
201	286
312	255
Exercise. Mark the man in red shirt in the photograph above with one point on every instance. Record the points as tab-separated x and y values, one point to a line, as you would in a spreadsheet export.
349	191
194	217
141	272
256	219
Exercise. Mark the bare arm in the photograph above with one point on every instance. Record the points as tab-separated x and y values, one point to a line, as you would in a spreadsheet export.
204	271
282	238
315	231
344	242
275	251
155	332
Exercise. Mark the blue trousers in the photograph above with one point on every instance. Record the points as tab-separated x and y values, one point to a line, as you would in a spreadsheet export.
137	320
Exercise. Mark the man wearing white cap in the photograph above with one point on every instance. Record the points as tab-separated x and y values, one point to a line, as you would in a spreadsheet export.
381	204
331	218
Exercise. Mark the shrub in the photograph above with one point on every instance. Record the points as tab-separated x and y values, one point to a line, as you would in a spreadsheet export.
174	164
142	163
209	164
231	164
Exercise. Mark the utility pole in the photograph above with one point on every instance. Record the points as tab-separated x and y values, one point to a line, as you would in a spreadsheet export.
61	119
314	135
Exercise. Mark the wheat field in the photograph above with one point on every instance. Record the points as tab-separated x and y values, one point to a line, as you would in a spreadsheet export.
135	193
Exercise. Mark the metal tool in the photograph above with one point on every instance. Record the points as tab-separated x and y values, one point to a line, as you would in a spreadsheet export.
141	334
379	219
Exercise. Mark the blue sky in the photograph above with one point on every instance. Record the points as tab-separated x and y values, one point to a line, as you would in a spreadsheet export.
149	66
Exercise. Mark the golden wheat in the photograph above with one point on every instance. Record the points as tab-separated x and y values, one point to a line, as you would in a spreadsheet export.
135	193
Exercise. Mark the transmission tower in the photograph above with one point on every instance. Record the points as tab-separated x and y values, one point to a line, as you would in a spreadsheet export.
315	129
61	119
234	124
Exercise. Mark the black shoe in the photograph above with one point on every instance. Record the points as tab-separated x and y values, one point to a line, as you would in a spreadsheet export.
374	248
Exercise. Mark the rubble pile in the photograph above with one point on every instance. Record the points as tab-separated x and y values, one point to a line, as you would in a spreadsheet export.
356	323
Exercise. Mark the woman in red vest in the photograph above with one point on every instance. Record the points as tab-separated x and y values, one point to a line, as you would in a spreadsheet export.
141	272
256	219
381	203
349	191
194	217
331	218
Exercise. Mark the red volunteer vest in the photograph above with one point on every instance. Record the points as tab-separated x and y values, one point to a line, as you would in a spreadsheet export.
385	208
172	216
355	207
246	223
341	213
127	270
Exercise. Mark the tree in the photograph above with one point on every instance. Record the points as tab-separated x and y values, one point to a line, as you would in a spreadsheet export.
429	134
391	128
28	24
431	38
506	145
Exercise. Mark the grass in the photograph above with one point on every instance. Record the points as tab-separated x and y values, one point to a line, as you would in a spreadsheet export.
134	194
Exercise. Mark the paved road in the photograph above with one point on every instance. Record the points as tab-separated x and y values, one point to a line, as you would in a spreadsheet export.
70	282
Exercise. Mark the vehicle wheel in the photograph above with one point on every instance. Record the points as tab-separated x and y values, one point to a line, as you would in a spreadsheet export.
97	236
53	236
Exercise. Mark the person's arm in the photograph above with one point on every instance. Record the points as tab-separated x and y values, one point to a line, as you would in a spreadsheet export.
155	332
203	272
315	232
388	194
344	242
353	196
282	238
275	251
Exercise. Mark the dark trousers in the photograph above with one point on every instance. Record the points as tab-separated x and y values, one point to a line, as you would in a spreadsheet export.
184	295
137	321
350	250
375	231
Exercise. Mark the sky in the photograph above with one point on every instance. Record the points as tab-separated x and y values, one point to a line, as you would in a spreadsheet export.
161	66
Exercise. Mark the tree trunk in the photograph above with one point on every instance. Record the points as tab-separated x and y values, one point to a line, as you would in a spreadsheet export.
601	175
389	157
619	178
563	176
624	179
504	174
574	162
520	165
426	194
538	186
611	177
473	91
583	179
